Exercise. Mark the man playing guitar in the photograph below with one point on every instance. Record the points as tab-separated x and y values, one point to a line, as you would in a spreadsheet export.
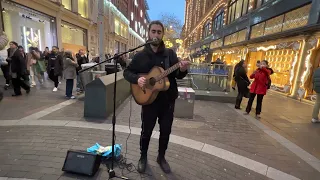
162	108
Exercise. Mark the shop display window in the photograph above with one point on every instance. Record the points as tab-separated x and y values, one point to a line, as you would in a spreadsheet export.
28	27
73	35
66	4
282	61
83	8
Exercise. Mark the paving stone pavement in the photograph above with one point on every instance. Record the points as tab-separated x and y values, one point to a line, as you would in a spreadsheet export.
291	119
40	98
215	124
38	153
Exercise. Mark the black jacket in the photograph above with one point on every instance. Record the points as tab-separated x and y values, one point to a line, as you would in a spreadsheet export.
55	62
242	79
18	64
146	59
81	60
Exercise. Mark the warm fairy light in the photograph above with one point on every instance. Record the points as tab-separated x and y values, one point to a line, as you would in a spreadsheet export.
295	60
266	48
308	65
218	5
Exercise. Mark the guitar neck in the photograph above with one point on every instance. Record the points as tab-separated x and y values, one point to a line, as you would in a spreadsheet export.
168	71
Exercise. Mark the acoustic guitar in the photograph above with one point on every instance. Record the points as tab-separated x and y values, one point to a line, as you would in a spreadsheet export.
157	81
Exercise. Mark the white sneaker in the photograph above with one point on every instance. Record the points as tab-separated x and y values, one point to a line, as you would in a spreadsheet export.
55	89
72	97
315	120
59	82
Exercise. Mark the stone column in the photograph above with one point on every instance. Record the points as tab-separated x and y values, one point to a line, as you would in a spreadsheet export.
101	29
58	25
74	6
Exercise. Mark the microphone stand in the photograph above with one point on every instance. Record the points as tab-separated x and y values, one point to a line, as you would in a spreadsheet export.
112	174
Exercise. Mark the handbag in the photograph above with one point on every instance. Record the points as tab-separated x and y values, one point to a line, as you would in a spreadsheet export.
247	90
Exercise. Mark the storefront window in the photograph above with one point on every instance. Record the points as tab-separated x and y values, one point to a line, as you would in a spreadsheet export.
218	21
237	8
72	34
83	8
66	4
30	28
117	27
261	2
282	61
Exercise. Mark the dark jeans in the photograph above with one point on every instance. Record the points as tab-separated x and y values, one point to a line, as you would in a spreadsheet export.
163	110
54	78
259	102
69	87
6	70
239	99
19	83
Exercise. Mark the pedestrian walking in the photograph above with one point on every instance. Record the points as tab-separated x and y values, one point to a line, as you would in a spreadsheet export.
316	88
55	67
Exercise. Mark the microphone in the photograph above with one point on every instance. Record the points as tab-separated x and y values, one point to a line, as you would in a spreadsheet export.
154	40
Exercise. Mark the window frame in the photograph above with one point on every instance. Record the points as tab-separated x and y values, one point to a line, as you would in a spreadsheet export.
216	24
232	9
206	29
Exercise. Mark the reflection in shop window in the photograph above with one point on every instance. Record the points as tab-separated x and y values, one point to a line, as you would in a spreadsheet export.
218	21
297	18
261	2
206	29
83	8
274	25
236	9
66	4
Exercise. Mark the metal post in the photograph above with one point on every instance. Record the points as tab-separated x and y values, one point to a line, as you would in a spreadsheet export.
101	30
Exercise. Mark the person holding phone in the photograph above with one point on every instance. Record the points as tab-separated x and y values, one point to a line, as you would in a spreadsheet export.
259	86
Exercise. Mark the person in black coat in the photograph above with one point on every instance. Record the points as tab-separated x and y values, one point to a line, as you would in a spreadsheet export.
242	81
81	59
162	108
19	72
55	66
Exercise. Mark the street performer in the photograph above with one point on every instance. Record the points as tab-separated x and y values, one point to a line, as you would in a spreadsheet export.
155	54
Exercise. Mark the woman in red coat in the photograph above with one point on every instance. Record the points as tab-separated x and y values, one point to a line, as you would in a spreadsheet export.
259	87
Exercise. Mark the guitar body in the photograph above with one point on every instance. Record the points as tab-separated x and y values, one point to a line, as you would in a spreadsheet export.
145	96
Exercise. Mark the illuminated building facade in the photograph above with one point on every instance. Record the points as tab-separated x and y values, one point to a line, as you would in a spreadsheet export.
284	32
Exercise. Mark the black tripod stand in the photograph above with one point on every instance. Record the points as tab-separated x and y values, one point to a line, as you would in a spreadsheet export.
112	174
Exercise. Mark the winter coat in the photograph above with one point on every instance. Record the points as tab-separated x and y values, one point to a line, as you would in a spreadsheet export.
242	79
55	62
260	83
69	68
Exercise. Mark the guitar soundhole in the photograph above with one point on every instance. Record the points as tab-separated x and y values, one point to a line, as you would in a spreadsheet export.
152	81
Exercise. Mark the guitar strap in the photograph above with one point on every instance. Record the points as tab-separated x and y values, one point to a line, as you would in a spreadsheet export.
167	60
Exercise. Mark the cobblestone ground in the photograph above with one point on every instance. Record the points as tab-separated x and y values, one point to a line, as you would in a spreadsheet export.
215	124
291	119
40	98
38	153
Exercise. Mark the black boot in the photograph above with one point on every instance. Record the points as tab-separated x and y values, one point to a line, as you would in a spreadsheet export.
163	164
142	164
